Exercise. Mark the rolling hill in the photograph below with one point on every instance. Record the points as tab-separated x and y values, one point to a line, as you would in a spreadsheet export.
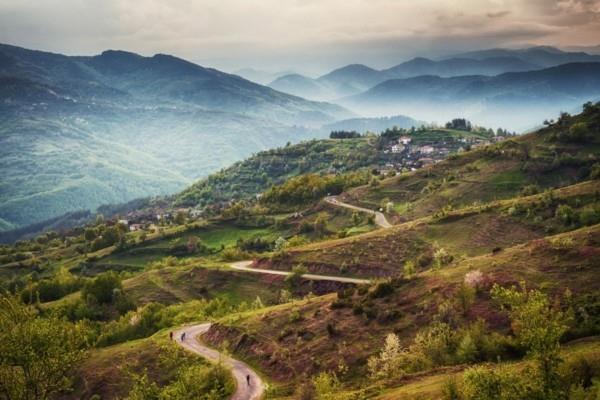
356	78
518	100
78	132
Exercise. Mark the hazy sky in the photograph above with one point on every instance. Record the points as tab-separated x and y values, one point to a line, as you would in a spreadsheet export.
303	35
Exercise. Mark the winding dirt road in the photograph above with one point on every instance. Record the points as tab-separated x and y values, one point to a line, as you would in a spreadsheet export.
245	390
245	266
380	219
249	386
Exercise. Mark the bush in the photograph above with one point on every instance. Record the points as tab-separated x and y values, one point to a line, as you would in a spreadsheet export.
530	190
566	214
382	289
295	278
578	132
103	287
441	258
480	383
590	215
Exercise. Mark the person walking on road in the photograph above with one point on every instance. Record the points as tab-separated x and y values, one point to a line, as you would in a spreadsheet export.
183	336
171	335
248	379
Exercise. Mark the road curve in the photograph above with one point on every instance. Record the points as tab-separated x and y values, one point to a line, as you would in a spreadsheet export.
239	370
245	266
380	219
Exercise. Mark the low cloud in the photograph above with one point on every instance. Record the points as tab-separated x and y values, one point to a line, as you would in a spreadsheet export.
308	35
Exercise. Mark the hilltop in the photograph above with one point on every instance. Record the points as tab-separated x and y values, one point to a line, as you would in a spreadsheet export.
79	132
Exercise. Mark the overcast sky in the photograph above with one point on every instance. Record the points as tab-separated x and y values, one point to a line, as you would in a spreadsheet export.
303	35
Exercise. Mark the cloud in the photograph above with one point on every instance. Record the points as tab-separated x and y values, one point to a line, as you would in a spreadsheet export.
497	14
299	34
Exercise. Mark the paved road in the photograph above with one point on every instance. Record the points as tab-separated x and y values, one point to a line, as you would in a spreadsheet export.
245	266
239	370
380	219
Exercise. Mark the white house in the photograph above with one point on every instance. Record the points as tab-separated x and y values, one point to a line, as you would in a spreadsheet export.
404	140
426	149
397	148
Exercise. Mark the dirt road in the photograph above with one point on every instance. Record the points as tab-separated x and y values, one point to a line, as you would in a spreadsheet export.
245	390
245	266
380	219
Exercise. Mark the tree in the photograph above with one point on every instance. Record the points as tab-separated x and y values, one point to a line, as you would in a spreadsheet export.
103	287
327	386
180	218
90	234
295	277
538	325
37	354
388	362
565	213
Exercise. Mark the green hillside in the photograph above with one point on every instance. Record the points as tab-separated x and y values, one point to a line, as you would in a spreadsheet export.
484	287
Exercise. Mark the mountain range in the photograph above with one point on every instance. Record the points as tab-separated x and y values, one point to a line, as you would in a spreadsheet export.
512	99
355	78
78	132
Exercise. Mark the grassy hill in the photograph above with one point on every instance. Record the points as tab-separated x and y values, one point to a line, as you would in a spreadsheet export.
521	213
79	132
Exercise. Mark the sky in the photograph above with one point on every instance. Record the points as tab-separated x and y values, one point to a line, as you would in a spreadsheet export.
308	36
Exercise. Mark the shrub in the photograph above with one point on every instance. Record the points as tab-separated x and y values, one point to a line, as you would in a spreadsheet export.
480	383
590	215
409	269
578	132
566	214
441	258
295	277
530	190
465	297
103	287
382	289
451	390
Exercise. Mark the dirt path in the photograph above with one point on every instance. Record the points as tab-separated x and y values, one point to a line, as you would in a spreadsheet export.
380	219
239	370
245	266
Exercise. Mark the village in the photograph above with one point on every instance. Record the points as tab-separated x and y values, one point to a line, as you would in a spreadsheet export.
411	152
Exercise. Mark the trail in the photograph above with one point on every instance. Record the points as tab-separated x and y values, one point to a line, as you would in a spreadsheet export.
245	266
380	219
239	370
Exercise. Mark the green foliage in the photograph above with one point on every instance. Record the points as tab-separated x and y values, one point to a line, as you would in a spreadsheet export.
538	325
441	258
51	289
153	317
480	383
409	269
327	387
566	214
37	354
103	288
194	379
200	382
295	277
305	188
273	167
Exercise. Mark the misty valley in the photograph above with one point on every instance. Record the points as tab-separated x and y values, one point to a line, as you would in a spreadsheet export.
420	223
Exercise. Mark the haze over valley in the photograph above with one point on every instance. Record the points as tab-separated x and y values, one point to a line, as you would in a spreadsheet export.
300	200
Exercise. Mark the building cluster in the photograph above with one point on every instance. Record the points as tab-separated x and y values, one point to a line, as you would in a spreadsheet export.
405	154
